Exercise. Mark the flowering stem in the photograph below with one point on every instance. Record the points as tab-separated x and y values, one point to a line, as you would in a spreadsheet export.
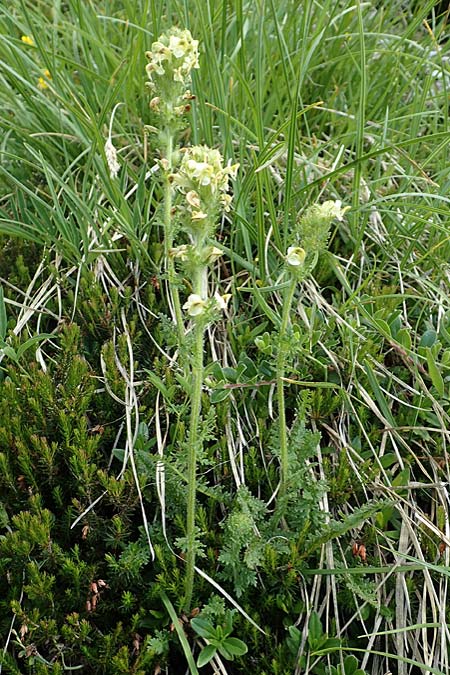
168	241
194	440
280	365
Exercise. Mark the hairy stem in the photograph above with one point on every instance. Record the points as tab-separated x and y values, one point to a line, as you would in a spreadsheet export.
194	440
168	242
281	362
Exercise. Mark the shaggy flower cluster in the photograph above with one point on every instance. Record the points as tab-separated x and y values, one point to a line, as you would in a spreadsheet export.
312	232
172	58
205	181
313	227
331	210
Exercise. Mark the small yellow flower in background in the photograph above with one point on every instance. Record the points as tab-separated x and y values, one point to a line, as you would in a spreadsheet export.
199	215
194	305
180	252
295	256
43	80
28	40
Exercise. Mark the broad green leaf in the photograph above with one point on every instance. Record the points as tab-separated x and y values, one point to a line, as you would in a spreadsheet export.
445	359
206	655
219	395
383	326
402	478
350	664
403	337
315	630
235	646
428	338
435	374
203	628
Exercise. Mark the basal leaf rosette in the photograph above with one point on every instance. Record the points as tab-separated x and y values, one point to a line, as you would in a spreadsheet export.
204	181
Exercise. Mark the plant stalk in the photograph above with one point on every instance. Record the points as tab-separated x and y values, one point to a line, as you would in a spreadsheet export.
281	369
194	440
168	242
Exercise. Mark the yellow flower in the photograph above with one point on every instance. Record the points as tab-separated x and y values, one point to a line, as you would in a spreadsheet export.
42	81
222	300
28	40
195	305
295	256
180	252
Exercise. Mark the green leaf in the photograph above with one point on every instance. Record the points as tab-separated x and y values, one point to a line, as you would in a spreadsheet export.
445	358
336	528
388	460
159	384
350	664
402	478
235	646
32	341
314	627
228	627
428	338
203	627
9	352
403	337
229	373
379	395
435	374
383	326
219	395
180	632
206	655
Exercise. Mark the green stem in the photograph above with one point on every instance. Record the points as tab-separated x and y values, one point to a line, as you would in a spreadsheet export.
168	242
194	441
281	359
